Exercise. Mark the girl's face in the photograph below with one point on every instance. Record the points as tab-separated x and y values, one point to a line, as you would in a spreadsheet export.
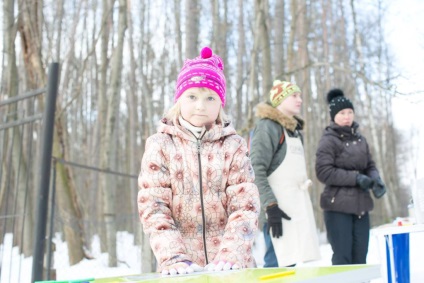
344	117
292	105
200	106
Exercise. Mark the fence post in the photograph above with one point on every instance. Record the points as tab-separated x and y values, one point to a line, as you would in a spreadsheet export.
45	166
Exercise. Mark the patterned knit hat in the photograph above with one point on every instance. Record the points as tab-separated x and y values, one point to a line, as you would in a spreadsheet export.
337	102
206	70
280	91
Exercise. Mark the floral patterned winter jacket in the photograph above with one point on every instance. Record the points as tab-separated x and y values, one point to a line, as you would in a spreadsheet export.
184	222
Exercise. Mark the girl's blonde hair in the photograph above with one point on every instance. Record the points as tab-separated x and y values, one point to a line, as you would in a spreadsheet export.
175	111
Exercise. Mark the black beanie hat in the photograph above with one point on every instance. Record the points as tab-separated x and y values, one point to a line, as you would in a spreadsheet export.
337	102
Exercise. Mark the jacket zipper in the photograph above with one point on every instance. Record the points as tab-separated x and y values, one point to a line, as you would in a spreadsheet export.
333	199
201	199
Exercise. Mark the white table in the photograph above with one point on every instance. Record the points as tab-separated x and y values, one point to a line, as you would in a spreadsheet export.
401	253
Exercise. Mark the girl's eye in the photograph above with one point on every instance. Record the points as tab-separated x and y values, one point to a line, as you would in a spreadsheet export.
210	98
192	97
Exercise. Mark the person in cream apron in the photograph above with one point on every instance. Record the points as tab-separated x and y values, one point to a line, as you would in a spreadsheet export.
290	184
280	174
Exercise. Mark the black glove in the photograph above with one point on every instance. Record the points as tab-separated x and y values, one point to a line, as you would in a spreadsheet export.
275	221
379	189
364	182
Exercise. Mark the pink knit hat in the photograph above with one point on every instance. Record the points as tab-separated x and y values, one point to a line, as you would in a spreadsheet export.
206	70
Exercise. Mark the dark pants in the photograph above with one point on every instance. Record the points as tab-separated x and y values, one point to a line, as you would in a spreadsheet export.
348	235
270	259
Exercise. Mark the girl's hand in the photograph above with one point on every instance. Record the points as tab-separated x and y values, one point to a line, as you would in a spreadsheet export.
184	267
221	266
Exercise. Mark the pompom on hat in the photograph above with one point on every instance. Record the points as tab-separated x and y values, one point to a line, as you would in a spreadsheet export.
206	70
280	91
337	102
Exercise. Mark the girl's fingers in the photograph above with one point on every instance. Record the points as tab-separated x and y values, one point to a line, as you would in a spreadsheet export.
182	270
219	266
196	267
210	267
227	266
186	268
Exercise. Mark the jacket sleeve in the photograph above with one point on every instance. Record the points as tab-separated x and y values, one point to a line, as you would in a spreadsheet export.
264	144
154	205
371	169
242	208
325	168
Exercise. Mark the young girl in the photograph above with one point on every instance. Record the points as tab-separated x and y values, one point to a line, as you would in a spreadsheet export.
197	199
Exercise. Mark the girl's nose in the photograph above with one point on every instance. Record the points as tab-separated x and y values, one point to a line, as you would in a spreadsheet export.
200	104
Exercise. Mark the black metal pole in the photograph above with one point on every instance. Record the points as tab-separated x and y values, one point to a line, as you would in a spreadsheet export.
51	226
44	179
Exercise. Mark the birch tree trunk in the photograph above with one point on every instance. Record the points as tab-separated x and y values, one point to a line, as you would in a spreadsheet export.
177	15
133	126
279	27
367	104
219	41
68	203
109	154
30	31
241	52
96	195
266	50
24	225
192	28
290	44
326	9
388	134
252	88
148	262
10	28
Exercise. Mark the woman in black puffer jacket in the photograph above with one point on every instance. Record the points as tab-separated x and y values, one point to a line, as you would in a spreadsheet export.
344	164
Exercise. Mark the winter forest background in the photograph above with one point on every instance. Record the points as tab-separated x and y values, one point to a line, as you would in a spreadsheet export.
119	60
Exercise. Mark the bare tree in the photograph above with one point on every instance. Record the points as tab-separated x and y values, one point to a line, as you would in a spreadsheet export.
108	156
67	197
264	31
177	14
102	106
241	53
290	44
191	28
253	73
279	48
23	226
367	102
30	32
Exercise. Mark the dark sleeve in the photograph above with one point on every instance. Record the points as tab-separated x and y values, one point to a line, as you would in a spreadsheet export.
263	145
325	168
371	169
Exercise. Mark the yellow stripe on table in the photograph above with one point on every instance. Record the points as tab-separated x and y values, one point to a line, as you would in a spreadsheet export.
277	275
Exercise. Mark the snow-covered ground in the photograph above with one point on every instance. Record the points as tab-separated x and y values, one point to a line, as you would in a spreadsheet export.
17	269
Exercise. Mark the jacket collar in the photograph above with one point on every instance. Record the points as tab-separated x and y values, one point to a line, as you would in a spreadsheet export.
343	131
266	111
216	132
